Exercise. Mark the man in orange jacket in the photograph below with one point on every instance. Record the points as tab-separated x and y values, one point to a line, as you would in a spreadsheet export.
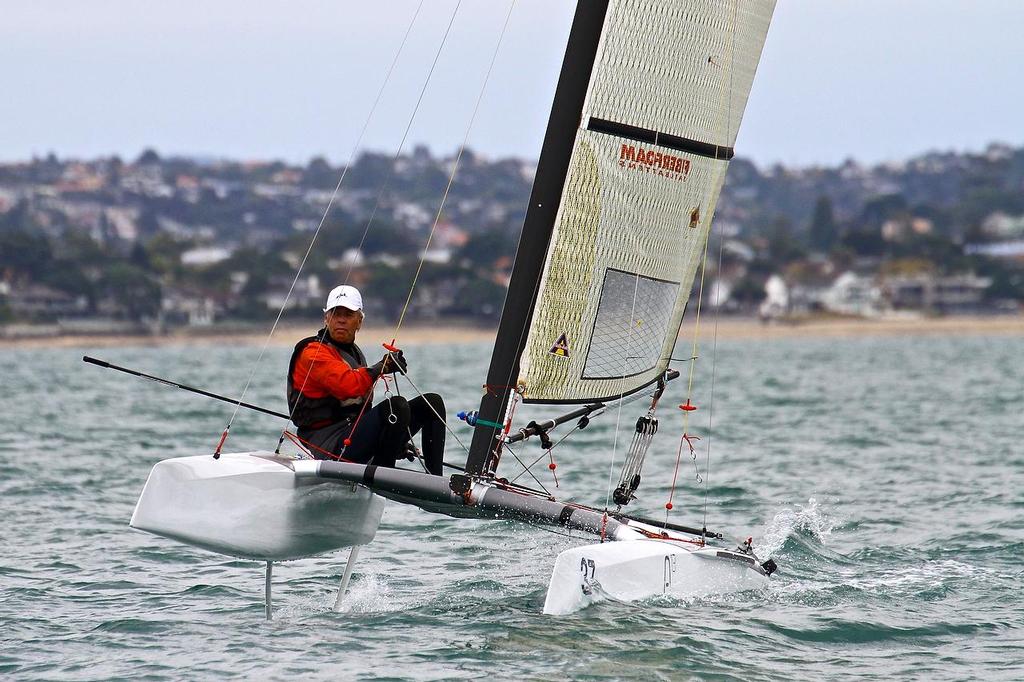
330	395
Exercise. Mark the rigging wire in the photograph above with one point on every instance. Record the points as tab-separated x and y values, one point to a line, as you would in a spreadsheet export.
447	189
450	179
546	453
718	287
513	390
330	203
455	165
621	401
618	413
405	135
527	470
725	119
443	421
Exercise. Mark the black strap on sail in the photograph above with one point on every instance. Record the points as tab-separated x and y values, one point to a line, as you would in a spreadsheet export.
552	169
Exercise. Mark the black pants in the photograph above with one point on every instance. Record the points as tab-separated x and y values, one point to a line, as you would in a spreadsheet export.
382	433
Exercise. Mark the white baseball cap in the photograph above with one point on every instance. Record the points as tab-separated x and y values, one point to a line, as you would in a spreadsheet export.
344	296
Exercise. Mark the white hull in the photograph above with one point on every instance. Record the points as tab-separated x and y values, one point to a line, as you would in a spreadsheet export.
630	570
253	505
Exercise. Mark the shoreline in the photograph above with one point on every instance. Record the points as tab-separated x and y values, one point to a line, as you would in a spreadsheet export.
732	328
841	327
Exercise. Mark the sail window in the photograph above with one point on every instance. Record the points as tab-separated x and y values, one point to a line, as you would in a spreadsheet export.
633	318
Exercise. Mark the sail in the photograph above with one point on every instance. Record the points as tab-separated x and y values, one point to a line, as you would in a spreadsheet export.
642	127
649	155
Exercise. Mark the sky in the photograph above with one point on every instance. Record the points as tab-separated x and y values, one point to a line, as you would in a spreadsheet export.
871	80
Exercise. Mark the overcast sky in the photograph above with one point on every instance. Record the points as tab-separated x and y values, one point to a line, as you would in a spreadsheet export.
871	80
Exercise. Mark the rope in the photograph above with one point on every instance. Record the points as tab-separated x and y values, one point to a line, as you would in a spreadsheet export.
405	135
527	470
330	203
447	428
408	430
366	403
547	453
618	413
643	436
703	272
455	167
718	308
306	445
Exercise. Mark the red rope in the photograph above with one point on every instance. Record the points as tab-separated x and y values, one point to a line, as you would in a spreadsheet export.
300	442
366	397
362	411
663	535
220	443
511	413
688	439
552	466
494	389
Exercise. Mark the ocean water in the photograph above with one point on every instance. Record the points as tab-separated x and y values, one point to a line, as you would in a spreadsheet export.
884	475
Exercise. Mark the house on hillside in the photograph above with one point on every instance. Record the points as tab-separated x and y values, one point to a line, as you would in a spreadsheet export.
305	294
1008	250
776	298
205	255
853	294
412	215
949	294
38	301
194	308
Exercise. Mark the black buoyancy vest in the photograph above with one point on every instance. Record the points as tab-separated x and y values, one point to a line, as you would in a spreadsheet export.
306	411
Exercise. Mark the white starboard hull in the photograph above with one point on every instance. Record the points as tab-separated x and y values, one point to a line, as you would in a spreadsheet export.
631	570
638	560
253	505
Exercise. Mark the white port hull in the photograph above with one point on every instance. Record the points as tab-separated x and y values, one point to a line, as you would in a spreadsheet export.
630	570
253	505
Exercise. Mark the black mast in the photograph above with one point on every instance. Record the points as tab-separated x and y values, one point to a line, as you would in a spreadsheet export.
566	111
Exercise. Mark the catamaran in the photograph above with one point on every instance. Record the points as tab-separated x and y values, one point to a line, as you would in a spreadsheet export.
641	131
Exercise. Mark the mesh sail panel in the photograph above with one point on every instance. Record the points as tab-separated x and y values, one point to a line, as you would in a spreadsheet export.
633	318
678	66
663	107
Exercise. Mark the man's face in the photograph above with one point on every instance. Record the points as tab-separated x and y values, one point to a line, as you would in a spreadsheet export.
343	324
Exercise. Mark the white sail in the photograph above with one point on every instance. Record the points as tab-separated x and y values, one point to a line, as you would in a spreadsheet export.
663	106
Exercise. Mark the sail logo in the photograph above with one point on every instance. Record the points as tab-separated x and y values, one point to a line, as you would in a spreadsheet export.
632	157
561	347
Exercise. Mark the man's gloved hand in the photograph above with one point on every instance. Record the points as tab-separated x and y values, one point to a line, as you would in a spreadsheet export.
393	362
411	453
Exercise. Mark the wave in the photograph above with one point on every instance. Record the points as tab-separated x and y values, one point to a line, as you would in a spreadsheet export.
805	528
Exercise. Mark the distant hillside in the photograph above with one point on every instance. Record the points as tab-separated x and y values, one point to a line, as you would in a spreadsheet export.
956	191
176	241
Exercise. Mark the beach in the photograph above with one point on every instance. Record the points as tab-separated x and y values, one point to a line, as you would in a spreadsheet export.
445	332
